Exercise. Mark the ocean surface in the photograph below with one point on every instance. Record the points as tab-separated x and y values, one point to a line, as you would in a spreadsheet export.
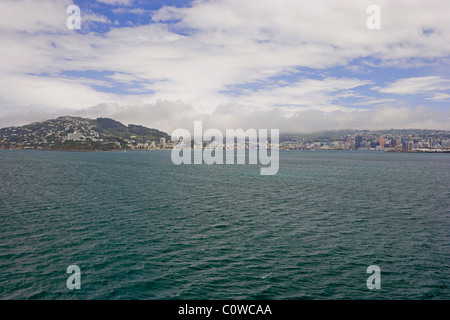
140	227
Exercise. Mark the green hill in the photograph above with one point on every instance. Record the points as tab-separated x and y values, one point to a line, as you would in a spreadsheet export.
76	133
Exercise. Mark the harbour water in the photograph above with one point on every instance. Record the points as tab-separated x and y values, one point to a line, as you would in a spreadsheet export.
140	227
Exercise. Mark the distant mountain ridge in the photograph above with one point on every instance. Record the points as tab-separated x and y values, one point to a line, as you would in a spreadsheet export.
77	133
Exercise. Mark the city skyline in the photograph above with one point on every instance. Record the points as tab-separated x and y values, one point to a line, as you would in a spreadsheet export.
76	133
301	66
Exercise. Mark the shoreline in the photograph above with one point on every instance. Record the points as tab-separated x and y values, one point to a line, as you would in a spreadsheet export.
130	150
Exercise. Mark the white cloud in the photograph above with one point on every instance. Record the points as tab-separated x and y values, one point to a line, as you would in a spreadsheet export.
440	96
169	115
306	94
117	2
416	85
33	16
53	93
123	10
89	17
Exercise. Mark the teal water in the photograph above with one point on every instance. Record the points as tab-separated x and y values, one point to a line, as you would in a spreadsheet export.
140	227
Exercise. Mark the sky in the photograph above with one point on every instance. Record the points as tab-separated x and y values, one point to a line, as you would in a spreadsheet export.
297	66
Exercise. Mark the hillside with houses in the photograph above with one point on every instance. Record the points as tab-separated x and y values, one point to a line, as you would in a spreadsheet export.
78	134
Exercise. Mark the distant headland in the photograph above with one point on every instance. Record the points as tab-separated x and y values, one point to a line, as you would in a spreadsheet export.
82	134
